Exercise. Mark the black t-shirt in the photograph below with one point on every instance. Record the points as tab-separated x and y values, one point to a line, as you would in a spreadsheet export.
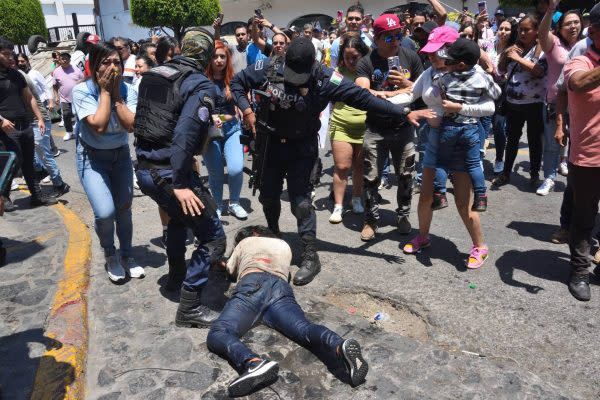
12	84
222	105
375	68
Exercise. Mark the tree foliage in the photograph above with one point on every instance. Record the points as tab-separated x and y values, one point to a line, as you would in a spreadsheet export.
174	14
19	19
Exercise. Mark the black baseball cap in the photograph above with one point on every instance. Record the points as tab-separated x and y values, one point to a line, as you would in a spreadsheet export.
299	61
463	49
595	15
428	27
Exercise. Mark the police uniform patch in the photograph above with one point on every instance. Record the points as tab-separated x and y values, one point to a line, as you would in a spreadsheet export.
203	114
336	78
207	100
259	65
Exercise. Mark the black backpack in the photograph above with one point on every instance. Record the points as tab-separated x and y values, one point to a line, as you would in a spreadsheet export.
159	103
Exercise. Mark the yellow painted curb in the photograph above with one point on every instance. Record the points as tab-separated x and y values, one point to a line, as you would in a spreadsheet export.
60	374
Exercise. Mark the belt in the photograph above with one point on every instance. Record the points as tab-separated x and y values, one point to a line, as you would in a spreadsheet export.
145	164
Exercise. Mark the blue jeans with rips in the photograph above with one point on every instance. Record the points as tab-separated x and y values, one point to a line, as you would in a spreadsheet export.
261	296
108	183
44	157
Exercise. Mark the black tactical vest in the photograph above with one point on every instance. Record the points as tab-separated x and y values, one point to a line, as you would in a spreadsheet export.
292	115
160	103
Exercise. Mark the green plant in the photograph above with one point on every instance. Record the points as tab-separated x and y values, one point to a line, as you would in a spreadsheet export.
174	14
19	19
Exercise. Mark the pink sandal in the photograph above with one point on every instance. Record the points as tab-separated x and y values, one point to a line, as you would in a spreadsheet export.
414	246
477	257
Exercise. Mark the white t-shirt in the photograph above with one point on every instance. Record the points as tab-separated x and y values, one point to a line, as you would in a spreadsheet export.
130	66
78	60
318	48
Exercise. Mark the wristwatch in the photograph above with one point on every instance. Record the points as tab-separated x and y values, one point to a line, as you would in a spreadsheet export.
406	110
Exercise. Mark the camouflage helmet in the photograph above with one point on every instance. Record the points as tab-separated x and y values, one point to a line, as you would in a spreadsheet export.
198	44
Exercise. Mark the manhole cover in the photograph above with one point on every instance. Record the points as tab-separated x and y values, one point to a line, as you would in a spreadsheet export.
393	317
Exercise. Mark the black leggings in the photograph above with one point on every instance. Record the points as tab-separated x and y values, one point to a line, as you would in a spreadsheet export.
516	116
21	142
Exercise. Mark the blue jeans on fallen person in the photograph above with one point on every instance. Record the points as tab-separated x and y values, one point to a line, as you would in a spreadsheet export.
460	150
261	296
108	183
43	157
230	151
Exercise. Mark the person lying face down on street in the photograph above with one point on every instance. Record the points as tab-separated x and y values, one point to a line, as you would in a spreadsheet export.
261	263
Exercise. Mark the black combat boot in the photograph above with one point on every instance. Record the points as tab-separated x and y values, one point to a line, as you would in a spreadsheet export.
38	198
177	272
310	265
191	313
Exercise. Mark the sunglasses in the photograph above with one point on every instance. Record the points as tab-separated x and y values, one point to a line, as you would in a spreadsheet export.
451	62
391	38
357	19
114	62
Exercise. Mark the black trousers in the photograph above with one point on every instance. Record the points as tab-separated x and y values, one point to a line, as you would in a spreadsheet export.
22	144
67	112
516	116
292	160
586	195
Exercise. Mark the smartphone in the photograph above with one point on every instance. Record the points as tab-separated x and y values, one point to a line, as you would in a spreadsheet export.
340	16
258	13
482	6
220	17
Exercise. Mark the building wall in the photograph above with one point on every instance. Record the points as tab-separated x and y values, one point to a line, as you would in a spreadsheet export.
284	11
58	12
116	21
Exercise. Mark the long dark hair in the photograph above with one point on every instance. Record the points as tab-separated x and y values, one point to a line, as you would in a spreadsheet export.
351	40
164	45
560	23
98	53
514	31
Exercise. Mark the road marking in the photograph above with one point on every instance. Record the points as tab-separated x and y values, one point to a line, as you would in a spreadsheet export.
67	322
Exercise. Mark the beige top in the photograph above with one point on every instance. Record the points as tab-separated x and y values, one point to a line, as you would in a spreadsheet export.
254	253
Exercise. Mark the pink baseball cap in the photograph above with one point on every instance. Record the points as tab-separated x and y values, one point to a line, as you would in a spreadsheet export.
439	37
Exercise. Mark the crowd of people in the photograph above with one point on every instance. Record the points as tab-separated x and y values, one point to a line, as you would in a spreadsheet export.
412	90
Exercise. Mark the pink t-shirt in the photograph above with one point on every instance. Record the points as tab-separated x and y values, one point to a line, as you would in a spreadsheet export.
556	58
584	116
66	78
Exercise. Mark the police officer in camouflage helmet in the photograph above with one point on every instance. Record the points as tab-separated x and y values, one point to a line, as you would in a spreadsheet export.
172	120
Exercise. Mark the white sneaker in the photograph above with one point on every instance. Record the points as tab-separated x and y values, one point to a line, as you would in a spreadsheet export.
14	185
61	123
237	210
114	269
563	169
498	166
545	187
135	182
357	207
47	179
336	215
219	212
132	267
68	136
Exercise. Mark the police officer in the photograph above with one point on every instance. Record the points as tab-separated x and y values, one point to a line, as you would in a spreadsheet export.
173	115
300	89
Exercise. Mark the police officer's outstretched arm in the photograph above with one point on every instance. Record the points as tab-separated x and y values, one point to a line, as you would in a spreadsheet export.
189	134
337	88
252	77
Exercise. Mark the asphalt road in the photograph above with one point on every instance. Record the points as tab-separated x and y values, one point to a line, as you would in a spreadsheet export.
508	330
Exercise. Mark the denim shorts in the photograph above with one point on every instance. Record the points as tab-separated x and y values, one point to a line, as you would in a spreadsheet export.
451	145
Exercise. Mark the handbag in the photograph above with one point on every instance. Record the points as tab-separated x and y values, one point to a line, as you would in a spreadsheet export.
501	102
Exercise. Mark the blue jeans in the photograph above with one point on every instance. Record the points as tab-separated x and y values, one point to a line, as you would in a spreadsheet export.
208	231
261	296
108	183
43	157
460	150
430	159
229	150
552	149
500	135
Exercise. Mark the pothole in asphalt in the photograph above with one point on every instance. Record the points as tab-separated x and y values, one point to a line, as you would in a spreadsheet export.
394	316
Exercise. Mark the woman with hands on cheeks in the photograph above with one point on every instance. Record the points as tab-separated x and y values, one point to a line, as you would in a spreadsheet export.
105	106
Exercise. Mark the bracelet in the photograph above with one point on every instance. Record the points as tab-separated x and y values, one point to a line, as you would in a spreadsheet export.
272	26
